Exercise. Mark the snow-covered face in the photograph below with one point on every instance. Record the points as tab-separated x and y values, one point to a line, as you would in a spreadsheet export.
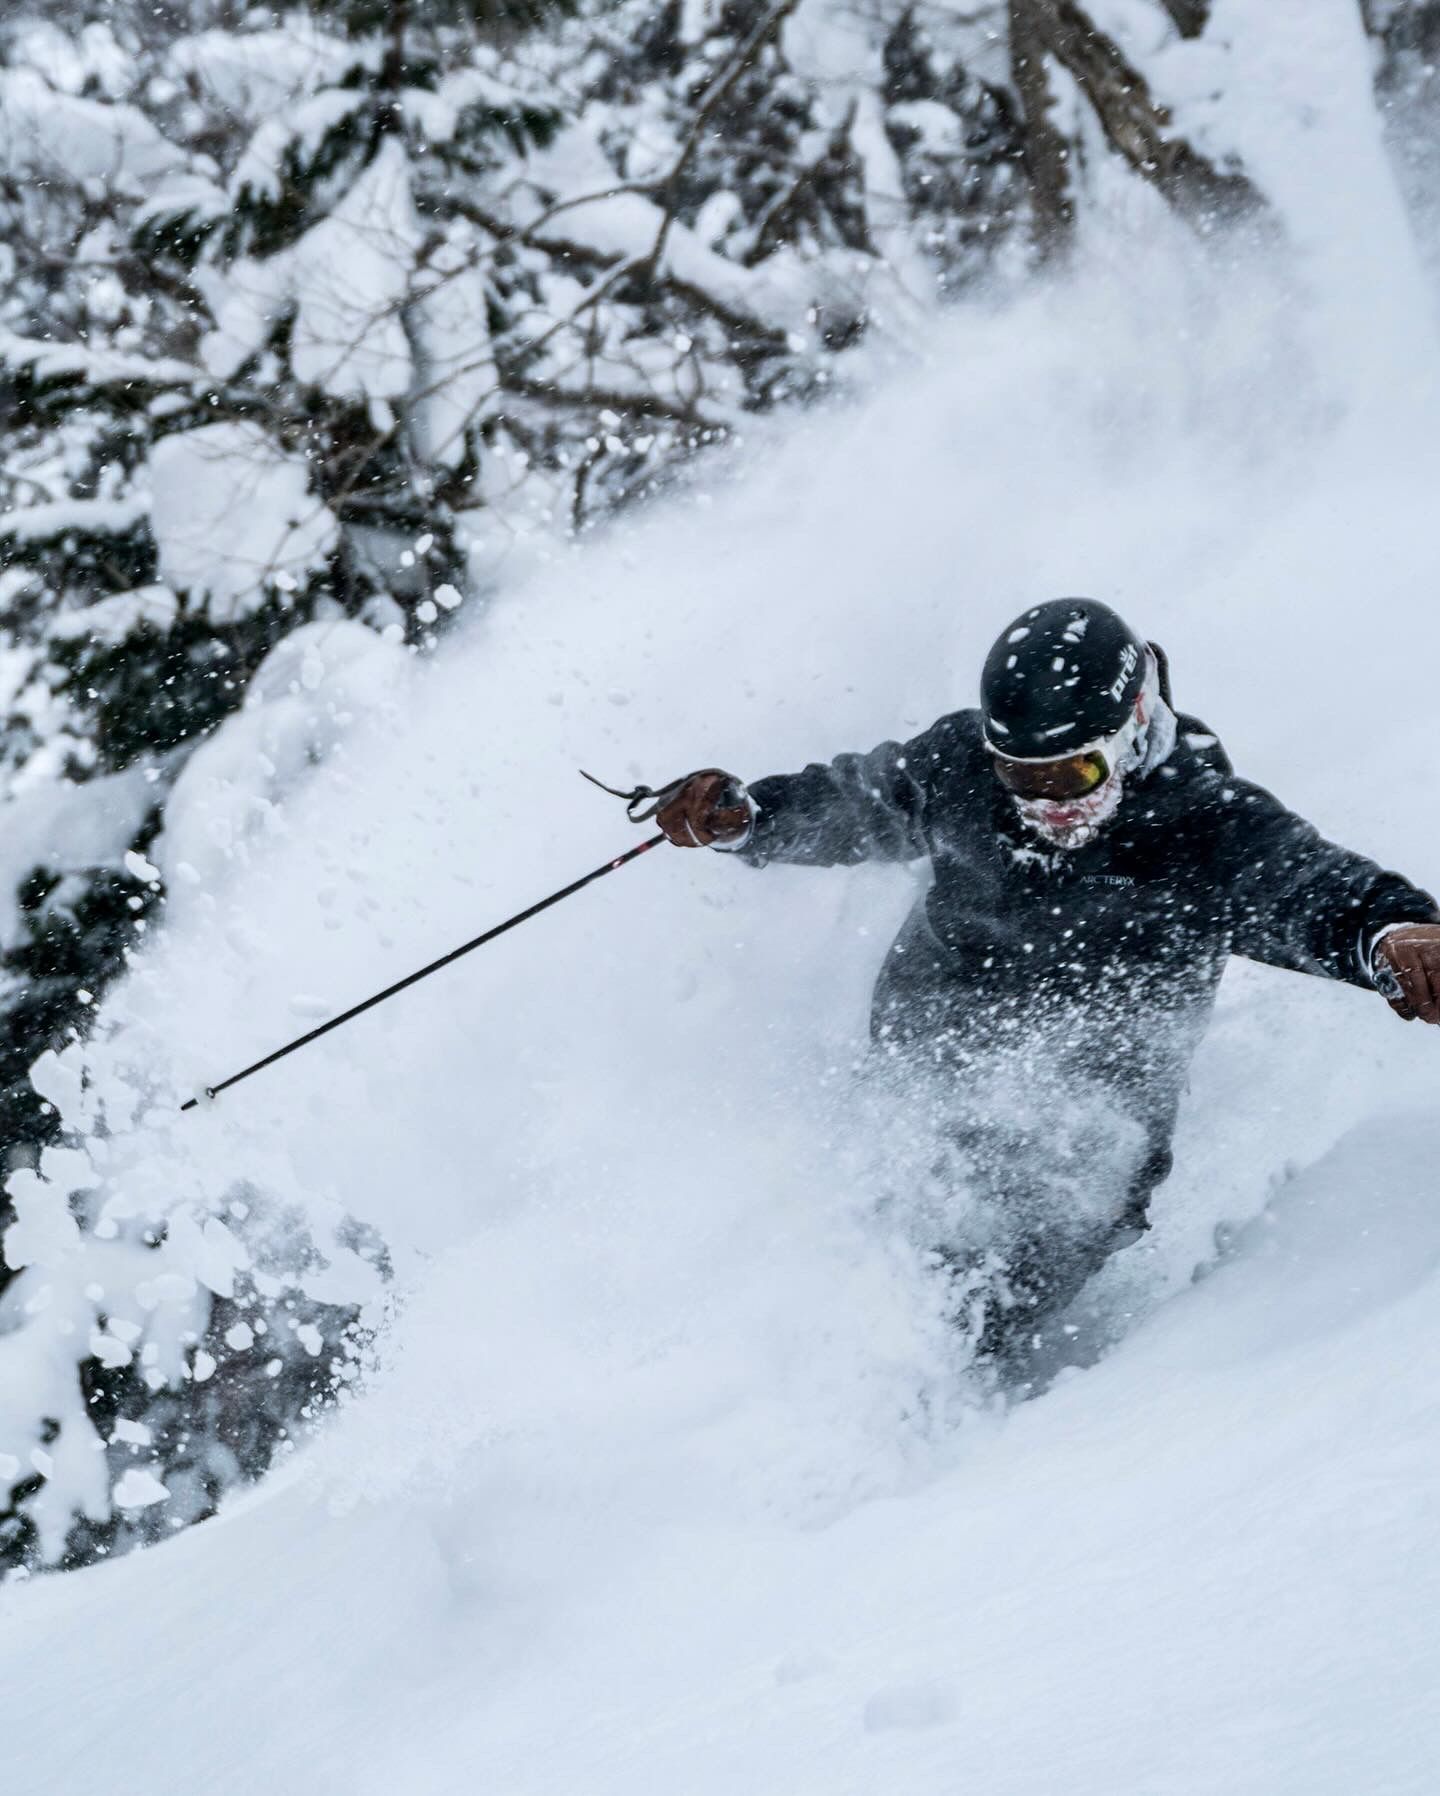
1072	822
1068	823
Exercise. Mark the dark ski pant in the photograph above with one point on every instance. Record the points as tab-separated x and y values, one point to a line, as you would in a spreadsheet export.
1044	1271
1054	1125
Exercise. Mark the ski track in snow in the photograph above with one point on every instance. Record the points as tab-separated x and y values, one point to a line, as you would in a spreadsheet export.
666	1484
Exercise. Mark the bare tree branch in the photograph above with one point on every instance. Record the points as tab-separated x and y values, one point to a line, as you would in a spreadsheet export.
783	210
590	397
738	64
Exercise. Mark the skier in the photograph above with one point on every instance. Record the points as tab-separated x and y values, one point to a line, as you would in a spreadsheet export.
1094	861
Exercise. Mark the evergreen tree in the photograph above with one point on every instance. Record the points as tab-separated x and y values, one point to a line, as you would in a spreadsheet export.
178	505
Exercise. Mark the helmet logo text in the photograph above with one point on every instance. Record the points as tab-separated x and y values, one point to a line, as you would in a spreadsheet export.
1128	660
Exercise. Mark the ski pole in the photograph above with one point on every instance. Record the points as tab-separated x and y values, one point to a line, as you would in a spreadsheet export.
524	916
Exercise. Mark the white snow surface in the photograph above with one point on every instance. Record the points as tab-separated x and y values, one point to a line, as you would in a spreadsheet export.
667	1481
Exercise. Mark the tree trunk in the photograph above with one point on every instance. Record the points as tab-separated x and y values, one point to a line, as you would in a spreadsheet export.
1190	16
1047	155
1135	123
393	73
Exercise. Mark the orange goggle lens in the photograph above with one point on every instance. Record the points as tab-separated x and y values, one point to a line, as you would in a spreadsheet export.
1071	777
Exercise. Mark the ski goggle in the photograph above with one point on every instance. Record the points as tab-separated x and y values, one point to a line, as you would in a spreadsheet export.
1077	775
1073	776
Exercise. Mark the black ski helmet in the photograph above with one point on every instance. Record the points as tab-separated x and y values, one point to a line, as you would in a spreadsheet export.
1065	674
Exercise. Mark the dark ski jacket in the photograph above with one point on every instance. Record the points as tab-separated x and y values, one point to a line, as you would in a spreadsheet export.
1105	957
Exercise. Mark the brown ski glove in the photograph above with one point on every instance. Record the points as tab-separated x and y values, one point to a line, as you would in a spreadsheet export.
1407	970
709	809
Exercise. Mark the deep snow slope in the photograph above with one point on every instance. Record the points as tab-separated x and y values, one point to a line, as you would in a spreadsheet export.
668	1481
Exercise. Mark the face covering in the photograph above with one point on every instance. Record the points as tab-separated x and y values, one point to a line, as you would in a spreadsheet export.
1140	747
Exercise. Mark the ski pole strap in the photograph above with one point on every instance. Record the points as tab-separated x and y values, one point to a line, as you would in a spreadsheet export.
524	916
651	797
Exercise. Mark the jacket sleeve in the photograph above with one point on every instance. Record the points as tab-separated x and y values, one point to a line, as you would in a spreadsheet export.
1297	900
857	808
